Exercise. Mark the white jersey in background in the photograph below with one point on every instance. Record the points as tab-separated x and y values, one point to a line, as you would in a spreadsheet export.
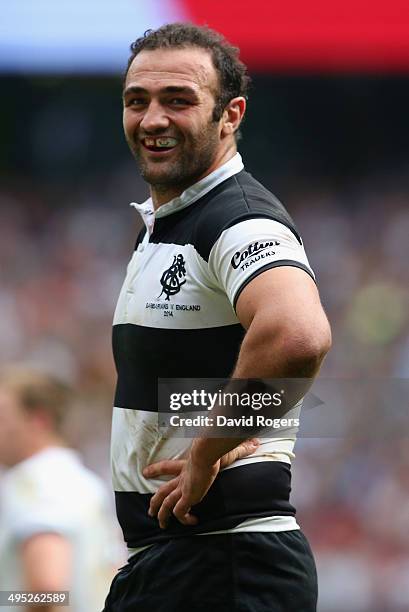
52	492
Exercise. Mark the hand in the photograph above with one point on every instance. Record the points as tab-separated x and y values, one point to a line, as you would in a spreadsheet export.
190	484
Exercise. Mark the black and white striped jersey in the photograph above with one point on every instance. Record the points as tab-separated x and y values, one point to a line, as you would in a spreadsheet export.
175	318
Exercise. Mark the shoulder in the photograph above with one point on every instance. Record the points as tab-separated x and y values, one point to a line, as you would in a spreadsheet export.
42	495
50	478
237	199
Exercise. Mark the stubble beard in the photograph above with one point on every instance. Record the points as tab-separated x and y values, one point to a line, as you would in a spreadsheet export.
187	167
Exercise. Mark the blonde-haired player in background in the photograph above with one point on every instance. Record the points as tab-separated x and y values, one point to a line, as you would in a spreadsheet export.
55	523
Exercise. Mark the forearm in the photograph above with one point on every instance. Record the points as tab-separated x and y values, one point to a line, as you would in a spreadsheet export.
258	359
47	565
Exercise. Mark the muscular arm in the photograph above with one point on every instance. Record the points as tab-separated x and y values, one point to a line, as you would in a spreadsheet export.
288	336
46	561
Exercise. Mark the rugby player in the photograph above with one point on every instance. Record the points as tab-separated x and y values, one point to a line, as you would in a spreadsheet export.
218	285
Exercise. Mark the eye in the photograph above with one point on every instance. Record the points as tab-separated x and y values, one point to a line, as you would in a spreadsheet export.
135	102
179	102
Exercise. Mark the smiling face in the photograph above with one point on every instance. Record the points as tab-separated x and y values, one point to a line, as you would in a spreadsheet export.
169	98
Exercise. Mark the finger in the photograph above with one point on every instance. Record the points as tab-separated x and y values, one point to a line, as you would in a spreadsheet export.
159	496
166	508
182	512
246	448
171	467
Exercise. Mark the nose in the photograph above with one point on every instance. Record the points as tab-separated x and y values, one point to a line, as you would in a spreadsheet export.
154	119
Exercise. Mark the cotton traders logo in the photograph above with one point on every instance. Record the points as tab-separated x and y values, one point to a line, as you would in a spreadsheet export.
253	249
174	277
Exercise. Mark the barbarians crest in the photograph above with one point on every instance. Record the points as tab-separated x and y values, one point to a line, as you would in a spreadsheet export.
174	277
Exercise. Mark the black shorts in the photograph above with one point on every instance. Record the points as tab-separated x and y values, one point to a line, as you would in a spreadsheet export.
241	572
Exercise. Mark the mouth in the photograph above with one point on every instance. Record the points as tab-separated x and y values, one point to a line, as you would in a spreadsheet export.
160	144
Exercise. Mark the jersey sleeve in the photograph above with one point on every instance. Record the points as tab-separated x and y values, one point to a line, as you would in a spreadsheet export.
32	514
251	247
36	501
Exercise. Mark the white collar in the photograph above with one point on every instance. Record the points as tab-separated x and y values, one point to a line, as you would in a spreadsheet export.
190	195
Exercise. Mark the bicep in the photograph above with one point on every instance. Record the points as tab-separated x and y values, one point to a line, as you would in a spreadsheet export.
282	298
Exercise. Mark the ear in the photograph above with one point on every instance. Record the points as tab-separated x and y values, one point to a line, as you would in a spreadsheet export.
233	115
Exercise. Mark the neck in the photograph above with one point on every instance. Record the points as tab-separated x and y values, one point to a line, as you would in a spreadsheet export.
162	194
41	444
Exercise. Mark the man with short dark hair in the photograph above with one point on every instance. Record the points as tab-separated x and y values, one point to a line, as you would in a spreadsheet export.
219	285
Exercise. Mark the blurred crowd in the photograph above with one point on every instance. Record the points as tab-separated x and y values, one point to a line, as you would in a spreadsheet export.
63	256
